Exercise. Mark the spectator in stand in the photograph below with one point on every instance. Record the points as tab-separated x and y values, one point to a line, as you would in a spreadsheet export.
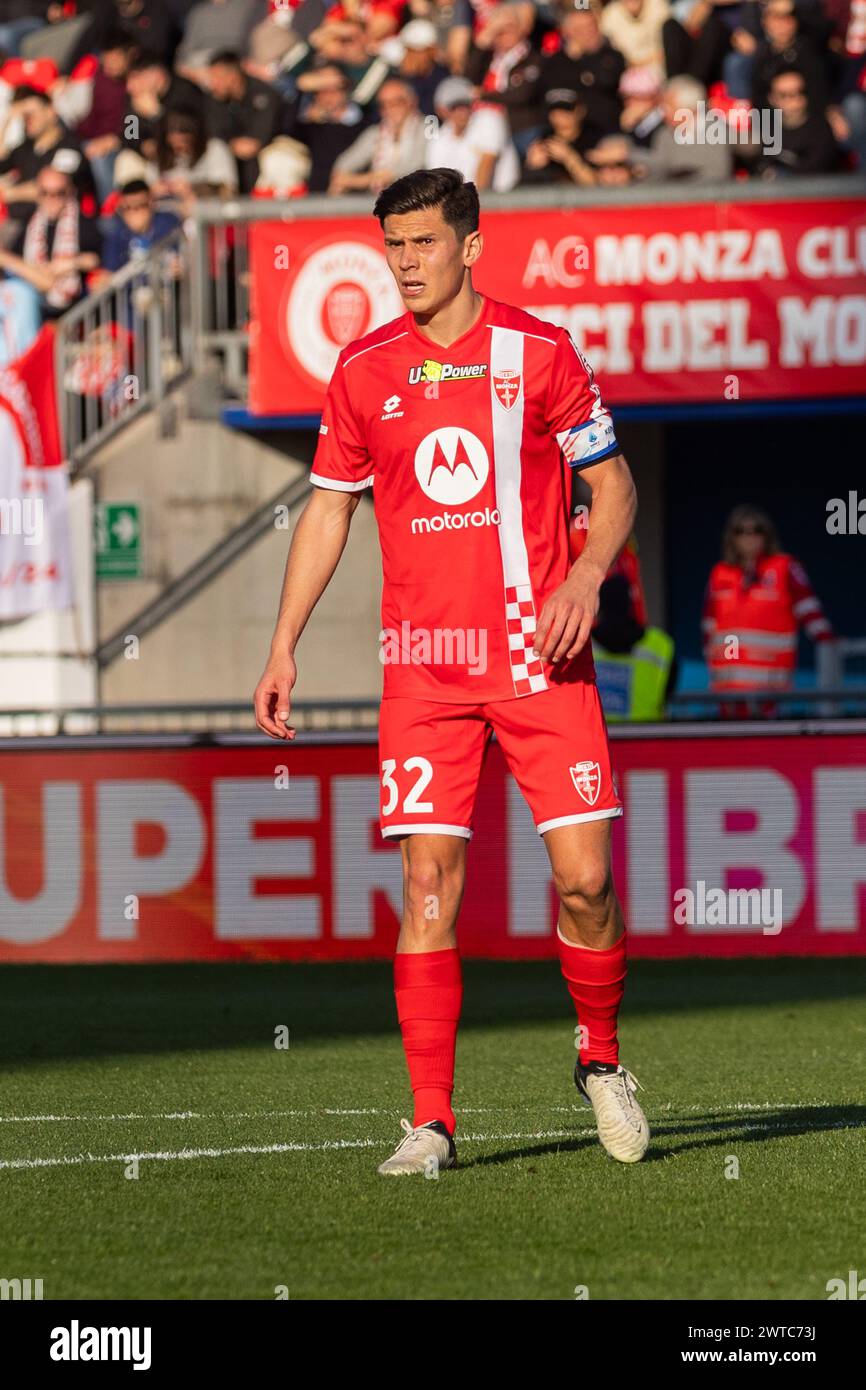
243	112
216	26
192	164
642	109
698	38
343	41
589	64
452	20
46	142
678	149
385	151
416	50
20	18
380	18
784	47
634	28
187	166
758	596
57	249
508	69
146	24
325	119
848	43
473	139
101	129
613	161
152	91
807	142
557	156
270	45
136	226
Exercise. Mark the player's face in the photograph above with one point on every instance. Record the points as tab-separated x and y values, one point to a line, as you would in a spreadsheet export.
427	258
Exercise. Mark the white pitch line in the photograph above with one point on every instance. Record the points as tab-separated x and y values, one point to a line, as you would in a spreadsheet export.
668	1108
163	1156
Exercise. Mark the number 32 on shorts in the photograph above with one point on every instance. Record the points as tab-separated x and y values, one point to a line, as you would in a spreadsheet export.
411	801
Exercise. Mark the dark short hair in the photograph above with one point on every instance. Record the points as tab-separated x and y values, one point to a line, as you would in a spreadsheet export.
145	59
432	188
25	92
224	58
117	38
134	186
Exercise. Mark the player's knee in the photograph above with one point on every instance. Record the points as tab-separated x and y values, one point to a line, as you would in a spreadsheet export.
585	890
431	888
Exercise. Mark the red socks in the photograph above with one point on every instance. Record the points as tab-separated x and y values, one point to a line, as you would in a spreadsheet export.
429	991
596	982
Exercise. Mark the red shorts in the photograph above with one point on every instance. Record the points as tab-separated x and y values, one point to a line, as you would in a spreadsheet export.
431	754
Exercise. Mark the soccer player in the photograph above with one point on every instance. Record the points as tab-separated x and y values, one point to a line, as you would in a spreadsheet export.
466	416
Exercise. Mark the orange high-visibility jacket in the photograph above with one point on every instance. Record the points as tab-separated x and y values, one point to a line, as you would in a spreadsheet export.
750	623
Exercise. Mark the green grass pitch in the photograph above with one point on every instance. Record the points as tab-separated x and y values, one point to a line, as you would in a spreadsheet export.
262	1180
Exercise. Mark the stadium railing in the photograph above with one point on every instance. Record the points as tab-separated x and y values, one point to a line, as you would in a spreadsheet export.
122	349
803	709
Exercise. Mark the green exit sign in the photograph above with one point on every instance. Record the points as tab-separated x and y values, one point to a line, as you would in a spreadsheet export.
118	540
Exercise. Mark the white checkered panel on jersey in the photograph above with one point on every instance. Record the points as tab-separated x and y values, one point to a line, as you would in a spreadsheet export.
506	355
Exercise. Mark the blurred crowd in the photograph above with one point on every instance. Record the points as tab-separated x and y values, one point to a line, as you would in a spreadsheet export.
115	115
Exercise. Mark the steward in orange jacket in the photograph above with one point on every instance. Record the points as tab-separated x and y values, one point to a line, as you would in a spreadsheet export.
755	601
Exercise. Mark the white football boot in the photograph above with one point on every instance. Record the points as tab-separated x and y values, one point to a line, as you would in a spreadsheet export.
622	1126
426	1149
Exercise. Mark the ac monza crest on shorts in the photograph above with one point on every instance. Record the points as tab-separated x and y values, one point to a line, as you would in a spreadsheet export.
506	384
587	780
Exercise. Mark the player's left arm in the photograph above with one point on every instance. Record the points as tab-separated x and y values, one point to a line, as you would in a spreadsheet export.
576	417
567	617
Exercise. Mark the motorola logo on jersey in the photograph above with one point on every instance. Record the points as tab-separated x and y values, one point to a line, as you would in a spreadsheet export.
451	465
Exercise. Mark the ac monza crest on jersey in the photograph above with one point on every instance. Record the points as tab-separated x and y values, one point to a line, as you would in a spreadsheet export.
506	384
587	780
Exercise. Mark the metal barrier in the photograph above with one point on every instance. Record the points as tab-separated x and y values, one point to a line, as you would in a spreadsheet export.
356	716
123	348
324	716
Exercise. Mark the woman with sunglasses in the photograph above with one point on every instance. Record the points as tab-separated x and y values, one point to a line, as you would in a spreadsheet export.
757	597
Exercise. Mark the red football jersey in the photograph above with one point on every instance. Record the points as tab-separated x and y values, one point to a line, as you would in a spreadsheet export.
468	449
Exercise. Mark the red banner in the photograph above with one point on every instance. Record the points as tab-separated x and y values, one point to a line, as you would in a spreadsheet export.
691	302
727	847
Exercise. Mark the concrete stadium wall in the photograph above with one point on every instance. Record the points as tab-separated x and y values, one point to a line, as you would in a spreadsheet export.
194	489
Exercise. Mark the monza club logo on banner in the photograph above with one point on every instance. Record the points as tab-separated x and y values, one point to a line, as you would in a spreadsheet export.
732	301
197	853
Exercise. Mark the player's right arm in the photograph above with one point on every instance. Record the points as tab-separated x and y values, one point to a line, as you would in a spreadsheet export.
342	471
317	544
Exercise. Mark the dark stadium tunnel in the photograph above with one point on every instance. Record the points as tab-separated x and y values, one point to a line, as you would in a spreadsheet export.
92	1011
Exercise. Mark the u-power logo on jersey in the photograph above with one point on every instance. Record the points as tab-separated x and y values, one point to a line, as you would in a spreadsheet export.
452	466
